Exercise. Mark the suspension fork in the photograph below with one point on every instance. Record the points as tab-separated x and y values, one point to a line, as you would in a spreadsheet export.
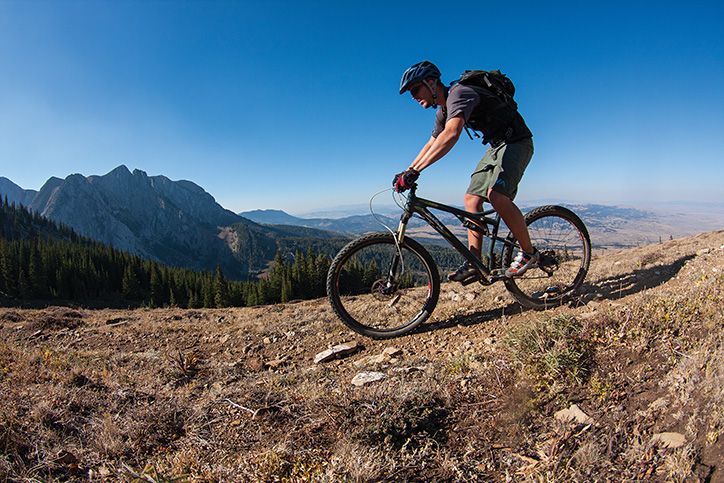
392	270
402	227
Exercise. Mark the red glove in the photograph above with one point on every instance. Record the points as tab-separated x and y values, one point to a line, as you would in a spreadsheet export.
405	180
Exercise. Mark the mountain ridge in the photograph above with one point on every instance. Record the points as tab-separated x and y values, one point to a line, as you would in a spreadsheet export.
180	224
174	222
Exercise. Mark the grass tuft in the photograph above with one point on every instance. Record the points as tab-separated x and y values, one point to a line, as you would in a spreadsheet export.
552	348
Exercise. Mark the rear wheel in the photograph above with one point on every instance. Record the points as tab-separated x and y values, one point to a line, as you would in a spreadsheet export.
565	247
381	289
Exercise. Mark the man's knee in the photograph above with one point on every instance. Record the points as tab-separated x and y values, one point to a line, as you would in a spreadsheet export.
497	198
473	203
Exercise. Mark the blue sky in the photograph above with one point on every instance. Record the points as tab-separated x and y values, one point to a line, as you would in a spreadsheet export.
295	106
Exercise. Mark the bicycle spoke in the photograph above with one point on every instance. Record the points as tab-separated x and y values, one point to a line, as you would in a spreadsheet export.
381	290
563	241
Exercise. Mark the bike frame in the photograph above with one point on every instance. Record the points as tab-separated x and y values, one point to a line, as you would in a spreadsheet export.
488	226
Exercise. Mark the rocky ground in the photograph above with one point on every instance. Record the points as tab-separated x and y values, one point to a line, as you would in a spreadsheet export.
624	384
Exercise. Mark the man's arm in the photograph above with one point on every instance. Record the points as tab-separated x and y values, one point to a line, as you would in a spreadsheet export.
423	151
438	147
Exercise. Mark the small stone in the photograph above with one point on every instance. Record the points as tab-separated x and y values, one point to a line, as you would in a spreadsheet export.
254	364
573	414
336	351
392	351
66	458
367	378
592	296
669	440
660	403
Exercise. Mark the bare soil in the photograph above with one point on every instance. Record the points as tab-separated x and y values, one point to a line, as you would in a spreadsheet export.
235	394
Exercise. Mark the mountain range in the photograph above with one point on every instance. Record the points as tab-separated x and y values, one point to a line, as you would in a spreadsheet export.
178	223
349	225
610	227
174	222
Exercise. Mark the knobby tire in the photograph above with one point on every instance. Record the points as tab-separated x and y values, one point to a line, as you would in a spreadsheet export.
565	246
376	293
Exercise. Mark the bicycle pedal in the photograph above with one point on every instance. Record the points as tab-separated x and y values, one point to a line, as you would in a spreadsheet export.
469	280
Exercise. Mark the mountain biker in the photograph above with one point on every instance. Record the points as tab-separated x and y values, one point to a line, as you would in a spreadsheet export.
496	177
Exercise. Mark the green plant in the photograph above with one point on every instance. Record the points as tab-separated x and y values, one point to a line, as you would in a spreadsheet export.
289	467
459	364
602	387
555	348
397	422
186	364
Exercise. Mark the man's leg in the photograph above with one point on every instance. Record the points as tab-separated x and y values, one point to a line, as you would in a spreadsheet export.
474	204
512	217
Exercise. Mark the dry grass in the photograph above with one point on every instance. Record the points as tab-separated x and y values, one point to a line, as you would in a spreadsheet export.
233	395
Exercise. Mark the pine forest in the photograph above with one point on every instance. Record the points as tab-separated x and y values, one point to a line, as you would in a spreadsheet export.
41	261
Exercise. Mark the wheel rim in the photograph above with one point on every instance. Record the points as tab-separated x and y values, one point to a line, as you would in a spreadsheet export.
368	297
564	260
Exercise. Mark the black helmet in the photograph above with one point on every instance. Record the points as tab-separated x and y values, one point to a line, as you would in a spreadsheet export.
418	73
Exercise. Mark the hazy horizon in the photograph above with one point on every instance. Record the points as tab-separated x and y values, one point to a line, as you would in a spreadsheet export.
384	204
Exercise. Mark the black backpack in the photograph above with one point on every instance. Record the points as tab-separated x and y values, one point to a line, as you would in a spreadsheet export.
503	89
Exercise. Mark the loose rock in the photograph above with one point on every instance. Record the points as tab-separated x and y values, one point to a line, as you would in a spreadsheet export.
669	440
367	378
574	414
392	351
335	352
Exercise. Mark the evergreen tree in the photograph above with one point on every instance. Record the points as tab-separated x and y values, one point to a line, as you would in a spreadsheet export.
45	260
156	287
131	287
208	294
36	274
222	296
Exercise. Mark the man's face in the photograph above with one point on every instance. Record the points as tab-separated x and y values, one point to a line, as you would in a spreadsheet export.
422	93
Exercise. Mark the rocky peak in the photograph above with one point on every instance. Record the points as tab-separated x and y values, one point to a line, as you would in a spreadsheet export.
14	193
175	222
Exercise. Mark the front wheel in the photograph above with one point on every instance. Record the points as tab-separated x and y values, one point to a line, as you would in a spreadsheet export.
382	289
565	247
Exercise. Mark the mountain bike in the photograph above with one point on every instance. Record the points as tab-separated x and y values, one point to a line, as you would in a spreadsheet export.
385	284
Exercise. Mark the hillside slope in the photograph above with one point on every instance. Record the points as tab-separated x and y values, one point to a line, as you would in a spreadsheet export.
476	395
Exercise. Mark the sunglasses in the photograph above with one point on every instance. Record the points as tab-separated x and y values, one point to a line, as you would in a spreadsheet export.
415	89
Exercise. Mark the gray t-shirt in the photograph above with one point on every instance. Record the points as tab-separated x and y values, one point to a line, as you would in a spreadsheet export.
480	104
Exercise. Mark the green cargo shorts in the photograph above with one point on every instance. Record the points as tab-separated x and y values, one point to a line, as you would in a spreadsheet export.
501	169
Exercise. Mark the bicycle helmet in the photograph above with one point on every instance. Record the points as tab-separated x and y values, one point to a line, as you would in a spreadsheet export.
418	73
